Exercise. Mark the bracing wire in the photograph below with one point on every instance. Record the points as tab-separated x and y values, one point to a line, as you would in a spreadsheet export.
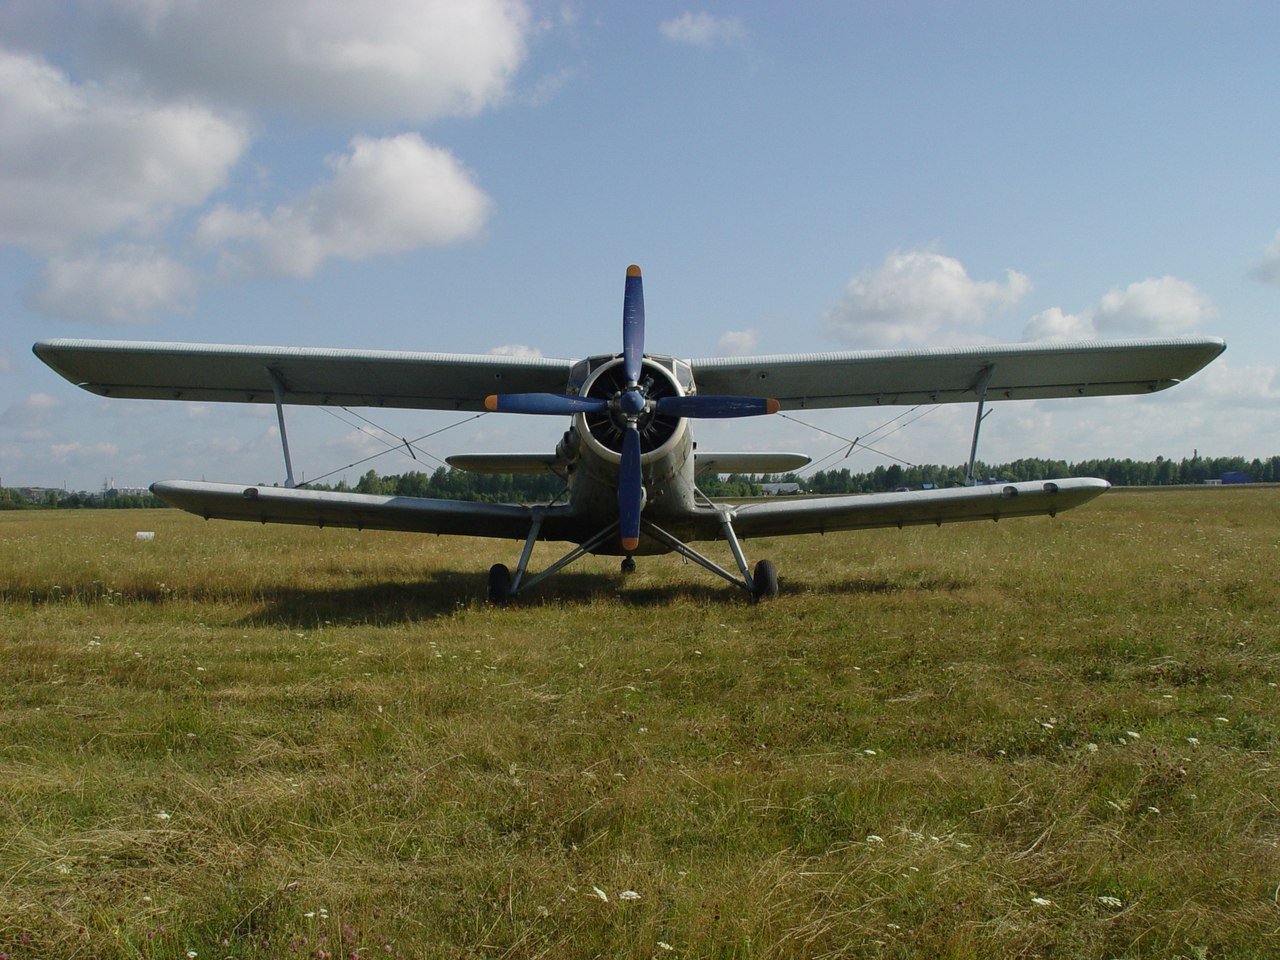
411	444
860	442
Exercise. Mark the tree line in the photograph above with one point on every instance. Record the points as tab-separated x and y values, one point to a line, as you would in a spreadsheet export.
12	498
449	484
1119	472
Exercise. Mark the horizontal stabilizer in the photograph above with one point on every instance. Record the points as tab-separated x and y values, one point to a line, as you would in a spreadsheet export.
748	462
508	462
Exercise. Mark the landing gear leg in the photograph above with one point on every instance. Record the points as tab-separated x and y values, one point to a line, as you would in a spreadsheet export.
628	565
760	586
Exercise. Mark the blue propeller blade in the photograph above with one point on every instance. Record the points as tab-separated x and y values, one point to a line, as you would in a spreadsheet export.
630	490
633	325
716	408
544	403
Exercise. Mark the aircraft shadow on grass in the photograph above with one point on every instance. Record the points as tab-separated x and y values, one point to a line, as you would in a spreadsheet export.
446	592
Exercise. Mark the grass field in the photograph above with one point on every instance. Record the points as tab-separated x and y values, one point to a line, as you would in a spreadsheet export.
1035	739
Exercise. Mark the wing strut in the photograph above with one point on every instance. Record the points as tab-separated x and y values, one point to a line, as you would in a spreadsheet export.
981	386
726	525
277	387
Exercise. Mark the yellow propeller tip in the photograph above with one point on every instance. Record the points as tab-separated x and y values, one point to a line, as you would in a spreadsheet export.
772	406
633	271
491	403
630	543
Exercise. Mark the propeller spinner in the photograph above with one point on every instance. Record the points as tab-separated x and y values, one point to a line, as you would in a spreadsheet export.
628	406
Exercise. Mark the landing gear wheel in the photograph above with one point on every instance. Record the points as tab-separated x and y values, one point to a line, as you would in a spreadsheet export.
499	584
628	565
765	577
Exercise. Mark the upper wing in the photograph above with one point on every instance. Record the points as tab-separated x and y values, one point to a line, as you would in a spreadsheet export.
364	378
1086	368
911	508
232	501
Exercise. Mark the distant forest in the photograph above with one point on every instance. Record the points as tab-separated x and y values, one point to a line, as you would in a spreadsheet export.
450	484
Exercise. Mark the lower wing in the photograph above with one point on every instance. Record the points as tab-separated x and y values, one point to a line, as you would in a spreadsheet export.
911	508
231	501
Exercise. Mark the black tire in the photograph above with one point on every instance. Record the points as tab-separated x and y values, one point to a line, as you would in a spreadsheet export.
628	565
499	584
765	577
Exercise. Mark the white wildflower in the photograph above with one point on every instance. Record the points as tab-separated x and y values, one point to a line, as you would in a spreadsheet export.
1131	733
1222	719
601	894
1153	809
163	815
665	946
1194	741
1041	902
629	895
1111	902
1091	747
869	752
872	838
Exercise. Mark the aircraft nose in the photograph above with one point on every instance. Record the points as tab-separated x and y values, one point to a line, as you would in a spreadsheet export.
632	402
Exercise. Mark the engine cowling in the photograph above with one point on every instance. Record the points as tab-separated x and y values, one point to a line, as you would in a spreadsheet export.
603	432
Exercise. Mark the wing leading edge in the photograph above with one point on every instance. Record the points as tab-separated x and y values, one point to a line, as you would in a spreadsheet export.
1085	368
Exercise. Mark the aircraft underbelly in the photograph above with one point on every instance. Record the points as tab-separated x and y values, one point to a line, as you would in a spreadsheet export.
669	498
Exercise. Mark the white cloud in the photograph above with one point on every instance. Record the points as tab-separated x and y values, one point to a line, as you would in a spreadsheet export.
702	29
1232	388
375	60
516	350
81	161
919	297
76	451
34	410
1153	307
1268	268
127	285
387	196
1053	324
737	343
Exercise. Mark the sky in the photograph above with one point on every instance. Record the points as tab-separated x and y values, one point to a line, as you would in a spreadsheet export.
475	178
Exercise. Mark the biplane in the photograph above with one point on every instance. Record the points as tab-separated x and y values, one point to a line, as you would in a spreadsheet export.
628	459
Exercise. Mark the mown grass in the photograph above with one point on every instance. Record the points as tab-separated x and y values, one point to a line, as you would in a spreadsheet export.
267	742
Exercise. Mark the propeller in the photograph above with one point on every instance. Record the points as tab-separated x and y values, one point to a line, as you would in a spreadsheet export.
628	406
544	403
